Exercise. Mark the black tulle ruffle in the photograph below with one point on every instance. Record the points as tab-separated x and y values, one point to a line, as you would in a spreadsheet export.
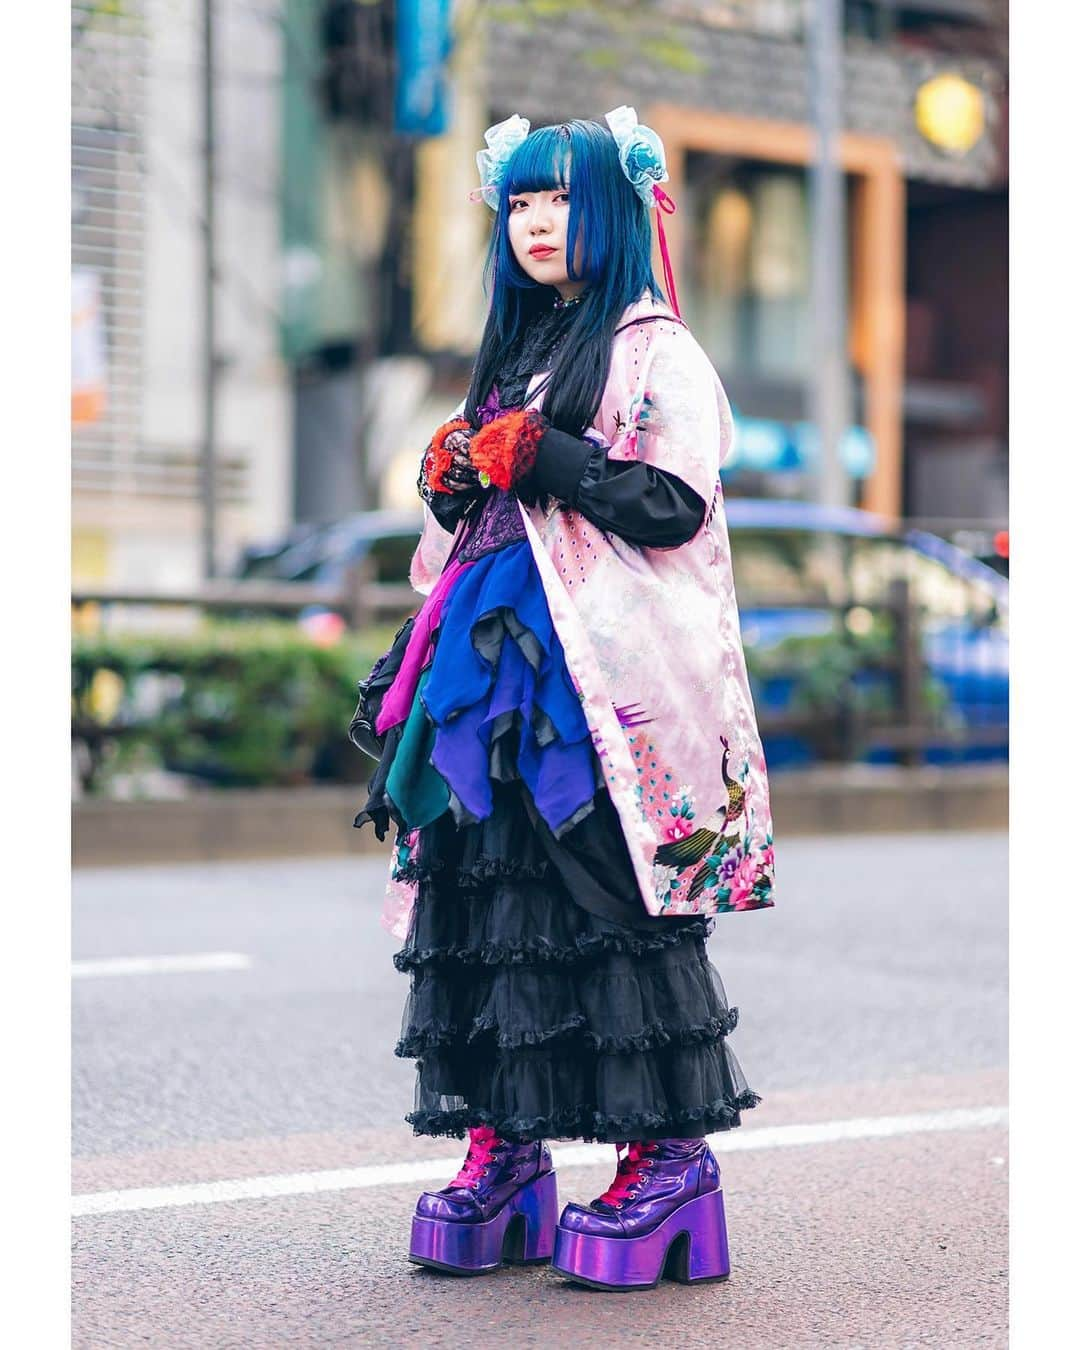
613	1002
472	875
513	914
532	1013
540	1092
591	1126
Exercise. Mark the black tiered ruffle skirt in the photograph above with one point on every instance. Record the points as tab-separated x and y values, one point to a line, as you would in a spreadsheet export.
544	1000
545	1018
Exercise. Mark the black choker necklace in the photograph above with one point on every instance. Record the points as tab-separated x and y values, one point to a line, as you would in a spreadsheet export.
560	303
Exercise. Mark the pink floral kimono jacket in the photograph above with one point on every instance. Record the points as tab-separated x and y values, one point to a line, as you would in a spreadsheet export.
652	643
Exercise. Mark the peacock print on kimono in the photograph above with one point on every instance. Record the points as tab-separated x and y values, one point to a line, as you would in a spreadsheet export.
686	853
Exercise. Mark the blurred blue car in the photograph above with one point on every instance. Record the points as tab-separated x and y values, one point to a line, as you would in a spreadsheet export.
801	571
380	541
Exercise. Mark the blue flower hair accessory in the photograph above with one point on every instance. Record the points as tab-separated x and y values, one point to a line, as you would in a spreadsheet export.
641	152
502	140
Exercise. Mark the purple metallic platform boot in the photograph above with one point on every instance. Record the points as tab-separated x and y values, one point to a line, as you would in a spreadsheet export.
500	1207
663	1215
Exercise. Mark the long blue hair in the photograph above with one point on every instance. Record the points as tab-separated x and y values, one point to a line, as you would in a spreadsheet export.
616	264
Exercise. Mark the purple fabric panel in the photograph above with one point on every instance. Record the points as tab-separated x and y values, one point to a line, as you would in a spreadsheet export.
490	408
462	746
498	524
399	697
560	777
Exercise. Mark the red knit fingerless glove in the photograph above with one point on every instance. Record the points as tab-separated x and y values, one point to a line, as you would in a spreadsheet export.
505	450
437	459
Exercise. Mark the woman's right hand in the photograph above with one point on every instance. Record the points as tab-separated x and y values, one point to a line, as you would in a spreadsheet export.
447	466
461	476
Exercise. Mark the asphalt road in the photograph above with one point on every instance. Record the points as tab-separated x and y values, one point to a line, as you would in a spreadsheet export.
875	989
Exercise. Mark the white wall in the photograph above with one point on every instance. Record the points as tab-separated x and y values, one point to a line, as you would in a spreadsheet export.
254	400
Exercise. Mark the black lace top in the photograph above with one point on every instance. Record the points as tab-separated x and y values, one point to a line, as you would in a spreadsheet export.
533	351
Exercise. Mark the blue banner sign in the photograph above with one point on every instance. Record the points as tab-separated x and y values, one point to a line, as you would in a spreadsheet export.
421	96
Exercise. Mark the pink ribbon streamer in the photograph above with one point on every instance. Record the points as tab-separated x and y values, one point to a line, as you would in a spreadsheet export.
665	206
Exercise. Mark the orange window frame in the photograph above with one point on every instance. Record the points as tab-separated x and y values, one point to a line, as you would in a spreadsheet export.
876	303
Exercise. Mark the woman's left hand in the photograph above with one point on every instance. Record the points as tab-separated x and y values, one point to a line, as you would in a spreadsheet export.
505	449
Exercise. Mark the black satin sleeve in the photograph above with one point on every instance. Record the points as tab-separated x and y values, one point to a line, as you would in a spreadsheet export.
644	505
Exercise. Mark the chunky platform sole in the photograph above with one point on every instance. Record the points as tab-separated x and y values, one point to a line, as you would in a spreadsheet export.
522	1232
690	1246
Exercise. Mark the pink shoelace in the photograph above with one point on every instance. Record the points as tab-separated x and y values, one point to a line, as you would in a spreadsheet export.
482	1144
629	1173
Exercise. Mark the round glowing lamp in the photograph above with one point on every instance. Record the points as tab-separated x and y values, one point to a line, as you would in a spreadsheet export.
951	113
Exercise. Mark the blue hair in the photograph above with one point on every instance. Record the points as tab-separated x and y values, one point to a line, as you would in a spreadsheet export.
616	264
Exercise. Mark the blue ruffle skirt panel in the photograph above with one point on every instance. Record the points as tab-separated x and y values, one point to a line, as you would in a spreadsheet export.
499	700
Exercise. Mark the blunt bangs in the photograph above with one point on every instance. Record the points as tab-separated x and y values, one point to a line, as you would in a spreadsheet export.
540	163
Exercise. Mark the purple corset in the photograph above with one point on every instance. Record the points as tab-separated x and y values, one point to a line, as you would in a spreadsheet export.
498	524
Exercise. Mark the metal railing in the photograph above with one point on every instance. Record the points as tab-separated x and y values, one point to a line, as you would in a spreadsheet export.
360	601
885	682
925	687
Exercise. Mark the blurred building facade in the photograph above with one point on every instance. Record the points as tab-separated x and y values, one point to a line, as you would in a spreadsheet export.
137	239
352	263
727	84
923	148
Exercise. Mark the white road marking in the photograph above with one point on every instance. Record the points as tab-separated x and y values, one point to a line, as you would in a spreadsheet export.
160	965
575	1155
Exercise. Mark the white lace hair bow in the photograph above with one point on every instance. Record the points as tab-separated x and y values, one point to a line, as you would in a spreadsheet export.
502	140
641	152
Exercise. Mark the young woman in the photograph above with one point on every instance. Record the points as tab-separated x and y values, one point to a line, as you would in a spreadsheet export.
567	744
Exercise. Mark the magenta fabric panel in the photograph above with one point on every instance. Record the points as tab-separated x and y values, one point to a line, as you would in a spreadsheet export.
399	697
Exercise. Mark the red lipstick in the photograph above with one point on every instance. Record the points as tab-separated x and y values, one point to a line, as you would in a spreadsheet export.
541	251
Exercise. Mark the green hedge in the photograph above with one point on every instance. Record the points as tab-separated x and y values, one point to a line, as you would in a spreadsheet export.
260	704
234	705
